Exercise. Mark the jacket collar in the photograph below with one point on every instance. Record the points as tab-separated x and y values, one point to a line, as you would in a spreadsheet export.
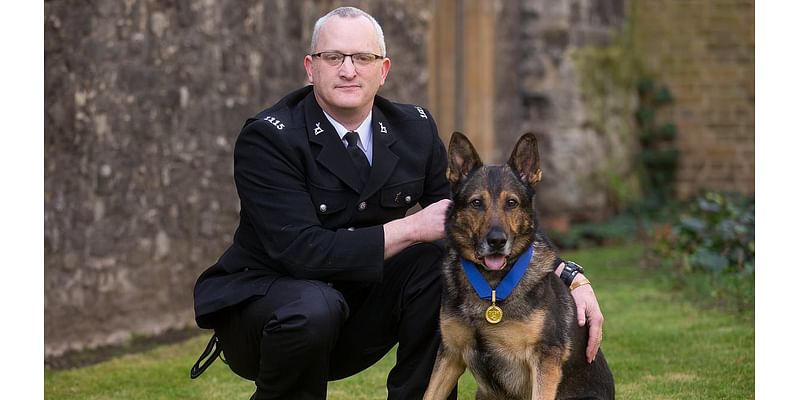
384	160
333	154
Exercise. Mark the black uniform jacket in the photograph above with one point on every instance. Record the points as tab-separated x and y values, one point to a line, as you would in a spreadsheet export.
303	211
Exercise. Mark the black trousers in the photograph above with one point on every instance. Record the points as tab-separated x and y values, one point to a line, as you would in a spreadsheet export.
304	333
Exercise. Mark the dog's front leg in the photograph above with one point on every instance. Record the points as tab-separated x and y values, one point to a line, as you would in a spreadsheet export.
448	368
546	375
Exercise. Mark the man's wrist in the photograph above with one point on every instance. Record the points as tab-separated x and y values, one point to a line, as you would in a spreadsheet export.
559	269
579	281
569	272
398	234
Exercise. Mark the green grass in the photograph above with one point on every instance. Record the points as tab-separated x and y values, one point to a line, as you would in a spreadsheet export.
659	346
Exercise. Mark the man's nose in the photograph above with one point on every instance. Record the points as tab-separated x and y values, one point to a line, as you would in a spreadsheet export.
348	67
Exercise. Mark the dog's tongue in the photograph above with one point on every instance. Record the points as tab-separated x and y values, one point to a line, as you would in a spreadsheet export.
494	262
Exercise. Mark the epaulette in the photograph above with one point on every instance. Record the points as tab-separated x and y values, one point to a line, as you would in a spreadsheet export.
279	115
400	110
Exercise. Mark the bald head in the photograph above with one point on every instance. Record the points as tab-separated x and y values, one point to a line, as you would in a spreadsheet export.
347	12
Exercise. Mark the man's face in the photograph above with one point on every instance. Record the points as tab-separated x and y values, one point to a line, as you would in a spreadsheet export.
347	89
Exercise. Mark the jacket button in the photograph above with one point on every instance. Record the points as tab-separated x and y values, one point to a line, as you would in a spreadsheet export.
408	199
323	208
362	206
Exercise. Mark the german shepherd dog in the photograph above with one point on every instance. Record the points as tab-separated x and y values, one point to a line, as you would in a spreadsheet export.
522	340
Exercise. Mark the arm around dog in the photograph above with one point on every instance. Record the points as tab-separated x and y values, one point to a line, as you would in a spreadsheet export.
427	225
587	310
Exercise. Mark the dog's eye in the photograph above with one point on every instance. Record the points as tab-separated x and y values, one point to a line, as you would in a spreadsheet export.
476	203
512	203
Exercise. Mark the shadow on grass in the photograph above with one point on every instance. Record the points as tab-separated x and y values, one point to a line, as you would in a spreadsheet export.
137	344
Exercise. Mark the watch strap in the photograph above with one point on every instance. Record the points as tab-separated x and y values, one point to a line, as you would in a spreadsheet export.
570	271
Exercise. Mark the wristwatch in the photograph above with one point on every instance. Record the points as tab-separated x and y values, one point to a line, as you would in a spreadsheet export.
571	270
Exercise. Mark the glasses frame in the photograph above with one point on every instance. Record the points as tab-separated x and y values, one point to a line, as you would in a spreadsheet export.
345	55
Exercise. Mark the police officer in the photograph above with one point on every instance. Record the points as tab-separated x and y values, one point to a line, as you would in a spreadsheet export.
326	273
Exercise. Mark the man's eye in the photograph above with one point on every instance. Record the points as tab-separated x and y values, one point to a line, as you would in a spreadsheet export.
332	57
363	58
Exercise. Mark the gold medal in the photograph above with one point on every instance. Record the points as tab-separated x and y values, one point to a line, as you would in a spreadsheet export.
494	314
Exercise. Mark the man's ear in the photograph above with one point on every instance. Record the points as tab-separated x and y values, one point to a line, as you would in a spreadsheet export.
525	159
386	65
463	158
308	65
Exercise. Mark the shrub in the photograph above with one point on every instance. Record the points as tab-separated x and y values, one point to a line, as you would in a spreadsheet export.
711	248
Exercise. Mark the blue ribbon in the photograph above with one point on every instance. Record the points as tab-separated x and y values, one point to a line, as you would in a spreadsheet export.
506	285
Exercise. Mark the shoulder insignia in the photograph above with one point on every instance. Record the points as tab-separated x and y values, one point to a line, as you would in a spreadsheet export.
421	112
274	121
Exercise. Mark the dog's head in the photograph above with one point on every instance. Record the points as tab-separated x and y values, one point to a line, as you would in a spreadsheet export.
493	218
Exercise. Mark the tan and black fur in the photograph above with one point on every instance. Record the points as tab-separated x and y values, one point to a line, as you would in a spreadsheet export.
537	351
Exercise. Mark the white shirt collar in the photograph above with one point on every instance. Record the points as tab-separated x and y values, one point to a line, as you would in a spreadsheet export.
364	133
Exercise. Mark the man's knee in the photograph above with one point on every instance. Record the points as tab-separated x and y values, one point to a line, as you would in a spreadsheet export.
419	267
313	320
427	255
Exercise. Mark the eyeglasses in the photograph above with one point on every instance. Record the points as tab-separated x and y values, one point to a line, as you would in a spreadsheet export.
335	58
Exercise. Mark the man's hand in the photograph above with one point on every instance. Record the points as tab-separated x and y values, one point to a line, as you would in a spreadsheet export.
589	310
425	225
428	223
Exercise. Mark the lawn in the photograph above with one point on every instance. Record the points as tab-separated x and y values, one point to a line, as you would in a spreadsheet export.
659	346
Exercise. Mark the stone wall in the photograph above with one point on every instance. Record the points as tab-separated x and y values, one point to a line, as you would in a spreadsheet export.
143	102
704	51
538	90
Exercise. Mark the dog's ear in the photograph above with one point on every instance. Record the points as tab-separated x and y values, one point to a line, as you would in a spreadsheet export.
463	158
525	159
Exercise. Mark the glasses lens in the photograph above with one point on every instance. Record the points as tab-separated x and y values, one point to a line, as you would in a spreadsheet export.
331	58
363	59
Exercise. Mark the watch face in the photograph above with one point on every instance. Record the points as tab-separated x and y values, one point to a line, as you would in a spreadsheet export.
575	266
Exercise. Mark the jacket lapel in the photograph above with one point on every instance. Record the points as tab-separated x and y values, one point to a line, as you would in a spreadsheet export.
332	155
383	159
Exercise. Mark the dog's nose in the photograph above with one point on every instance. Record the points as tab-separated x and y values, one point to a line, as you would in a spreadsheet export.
496	239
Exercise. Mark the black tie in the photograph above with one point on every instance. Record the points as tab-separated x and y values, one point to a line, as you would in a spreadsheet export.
358	156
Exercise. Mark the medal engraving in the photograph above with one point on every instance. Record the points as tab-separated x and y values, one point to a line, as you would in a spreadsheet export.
494	314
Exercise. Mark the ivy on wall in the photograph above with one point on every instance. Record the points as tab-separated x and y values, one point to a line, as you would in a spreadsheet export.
616	86
659	155
607	78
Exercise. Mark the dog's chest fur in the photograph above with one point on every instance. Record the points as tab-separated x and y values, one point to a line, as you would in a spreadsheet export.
533	322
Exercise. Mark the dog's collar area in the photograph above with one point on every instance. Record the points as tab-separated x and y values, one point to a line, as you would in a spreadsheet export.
506	285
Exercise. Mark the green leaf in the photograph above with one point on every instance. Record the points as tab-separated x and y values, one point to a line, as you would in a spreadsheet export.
667	131
663	96
645	86
693	224
645	114
709	261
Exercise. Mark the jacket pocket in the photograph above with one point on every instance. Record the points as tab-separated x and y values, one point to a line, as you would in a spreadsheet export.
329	201
404	194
